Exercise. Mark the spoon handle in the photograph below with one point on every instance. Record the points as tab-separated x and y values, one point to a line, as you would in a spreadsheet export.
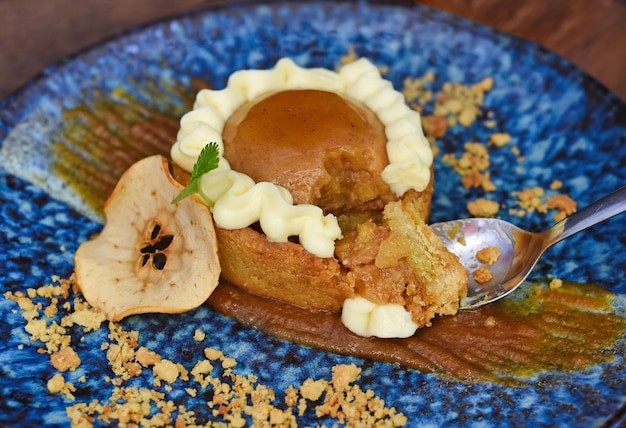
612	204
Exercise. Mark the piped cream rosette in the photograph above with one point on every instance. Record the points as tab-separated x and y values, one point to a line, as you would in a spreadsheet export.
240	202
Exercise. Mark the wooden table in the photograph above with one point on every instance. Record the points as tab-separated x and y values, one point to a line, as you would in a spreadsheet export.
38	33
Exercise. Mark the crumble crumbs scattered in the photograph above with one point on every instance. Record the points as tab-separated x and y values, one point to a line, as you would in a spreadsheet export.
346	402
235	400
462	104
472	166
535	199
417	93
531	199
455	103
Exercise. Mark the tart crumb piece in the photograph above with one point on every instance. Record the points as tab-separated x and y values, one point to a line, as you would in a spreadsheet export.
146	358
489	255
65	359
483	274
435	126
165	370
57	384
462	103
416	92
312	389
88	318
52	309
490	322
556	185
530	200
344	401
499	139
198	335
213	354
563	203
472	166
456	233
291	396
344	374
556	283
202	367
228	363
483	208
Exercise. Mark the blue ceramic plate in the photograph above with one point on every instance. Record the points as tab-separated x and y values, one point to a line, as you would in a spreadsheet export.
565	125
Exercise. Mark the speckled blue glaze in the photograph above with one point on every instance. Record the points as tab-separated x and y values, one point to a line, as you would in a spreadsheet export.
567	126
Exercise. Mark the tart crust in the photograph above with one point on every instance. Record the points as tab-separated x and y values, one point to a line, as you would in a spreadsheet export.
287	272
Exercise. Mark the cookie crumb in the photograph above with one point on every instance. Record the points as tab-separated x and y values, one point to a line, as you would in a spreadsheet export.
483	274
462	103
312	389
165	370
483	208
556	185
499	139
535	199
556	283
57	384
416	91
65	359
199	335
435	126
472	166
488	255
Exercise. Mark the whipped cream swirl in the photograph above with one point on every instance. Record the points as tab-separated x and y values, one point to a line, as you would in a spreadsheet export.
240	202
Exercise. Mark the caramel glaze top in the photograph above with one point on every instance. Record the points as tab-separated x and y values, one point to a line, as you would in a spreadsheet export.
286	137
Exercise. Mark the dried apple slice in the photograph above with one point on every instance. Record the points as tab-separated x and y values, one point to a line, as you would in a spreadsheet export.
152	255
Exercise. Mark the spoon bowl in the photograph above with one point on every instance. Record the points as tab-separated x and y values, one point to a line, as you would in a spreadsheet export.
519	250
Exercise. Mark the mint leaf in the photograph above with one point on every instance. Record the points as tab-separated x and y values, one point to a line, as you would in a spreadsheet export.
208	160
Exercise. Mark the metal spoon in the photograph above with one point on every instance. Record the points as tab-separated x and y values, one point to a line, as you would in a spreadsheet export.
519	250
